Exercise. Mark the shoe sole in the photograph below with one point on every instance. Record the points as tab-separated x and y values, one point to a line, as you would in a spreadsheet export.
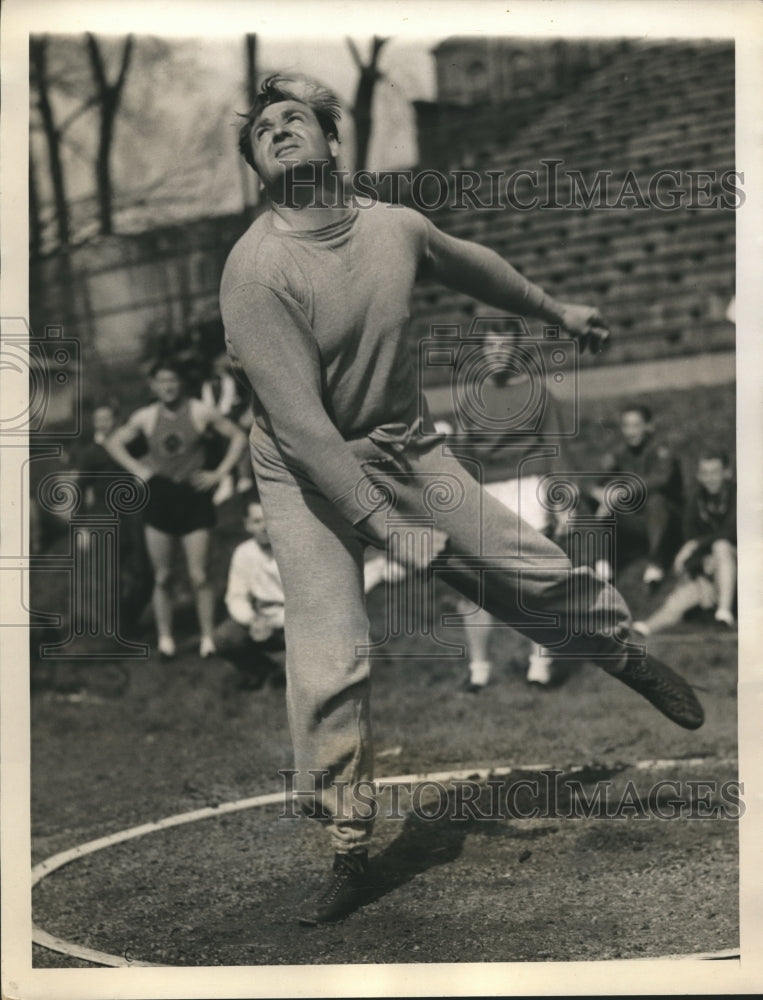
352	907
337	902
663	688
474	688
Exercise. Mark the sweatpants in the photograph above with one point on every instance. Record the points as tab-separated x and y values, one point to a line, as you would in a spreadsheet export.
492	557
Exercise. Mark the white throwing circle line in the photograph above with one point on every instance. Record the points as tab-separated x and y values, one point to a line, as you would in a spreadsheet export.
56	861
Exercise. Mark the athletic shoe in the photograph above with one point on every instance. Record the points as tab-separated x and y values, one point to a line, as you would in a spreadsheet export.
540	670
479	672
603	570
346	890
207	647
373	572
471	688
653	575
724	617
166	646
664	688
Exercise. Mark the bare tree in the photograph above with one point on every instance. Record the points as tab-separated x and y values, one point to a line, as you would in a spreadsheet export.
109	96
364	94
35	222
251	68
38	61
147	181
249	190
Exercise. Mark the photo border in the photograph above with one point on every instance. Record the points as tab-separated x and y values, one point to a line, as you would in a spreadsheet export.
648	19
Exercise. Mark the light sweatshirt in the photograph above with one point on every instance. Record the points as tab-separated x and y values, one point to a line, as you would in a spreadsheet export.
317	321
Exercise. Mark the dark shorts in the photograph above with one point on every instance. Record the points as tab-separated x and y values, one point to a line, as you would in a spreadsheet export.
176	508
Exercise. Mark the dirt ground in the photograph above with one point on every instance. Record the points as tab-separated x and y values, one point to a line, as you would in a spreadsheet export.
117	744
132	744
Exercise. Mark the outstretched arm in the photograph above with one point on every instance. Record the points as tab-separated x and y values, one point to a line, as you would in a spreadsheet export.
481	273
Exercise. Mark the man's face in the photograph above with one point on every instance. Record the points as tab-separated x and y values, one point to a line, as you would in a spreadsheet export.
286	136
711	473
254	524
499	351
103	420
166	386
634	428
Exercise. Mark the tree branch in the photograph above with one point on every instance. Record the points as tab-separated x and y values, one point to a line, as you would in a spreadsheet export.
355	54
378	44
89	103
126	54
96	63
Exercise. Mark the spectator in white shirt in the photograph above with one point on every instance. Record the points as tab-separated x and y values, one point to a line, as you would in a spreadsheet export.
252	637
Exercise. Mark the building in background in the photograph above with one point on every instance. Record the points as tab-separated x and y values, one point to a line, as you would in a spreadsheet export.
503	105
487	88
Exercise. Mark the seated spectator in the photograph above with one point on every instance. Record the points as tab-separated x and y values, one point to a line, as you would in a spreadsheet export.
706	564
252	637
654	530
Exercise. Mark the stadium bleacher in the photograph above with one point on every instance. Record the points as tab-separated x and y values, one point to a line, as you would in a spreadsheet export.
662	276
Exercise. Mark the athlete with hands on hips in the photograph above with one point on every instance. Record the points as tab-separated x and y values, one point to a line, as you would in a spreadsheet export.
180	506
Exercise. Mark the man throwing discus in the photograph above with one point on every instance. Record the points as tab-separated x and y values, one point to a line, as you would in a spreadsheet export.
315	298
